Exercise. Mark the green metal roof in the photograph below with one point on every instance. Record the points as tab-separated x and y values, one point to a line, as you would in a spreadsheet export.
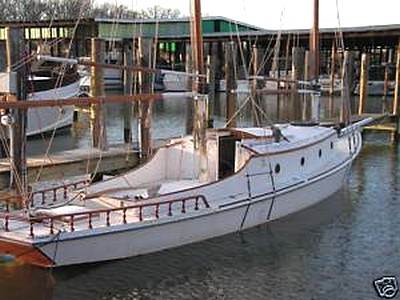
121	28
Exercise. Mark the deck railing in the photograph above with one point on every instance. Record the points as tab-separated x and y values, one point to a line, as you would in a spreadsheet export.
143	211
54	193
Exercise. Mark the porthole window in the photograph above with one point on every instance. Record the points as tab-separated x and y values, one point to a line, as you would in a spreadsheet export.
277	168
320	153
302	161
332	145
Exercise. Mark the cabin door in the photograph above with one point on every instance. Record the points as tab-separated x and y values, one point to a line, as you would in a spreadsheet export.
226	156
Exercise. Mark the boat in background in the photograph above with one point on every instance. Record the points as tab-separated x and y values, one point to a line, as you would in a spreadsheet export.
50	81
376	86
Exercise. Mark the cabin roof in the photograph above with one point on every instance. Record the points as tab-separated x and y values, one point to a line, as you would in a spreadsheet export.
294	137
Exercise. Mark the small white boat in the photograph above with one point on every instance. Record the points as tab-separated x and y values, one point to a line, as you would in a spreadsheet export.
255	176
41	120
377	88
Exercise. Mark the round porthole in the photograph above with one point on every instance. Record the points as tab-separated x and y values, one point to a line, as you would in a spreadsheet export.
320	153
302	161
277	168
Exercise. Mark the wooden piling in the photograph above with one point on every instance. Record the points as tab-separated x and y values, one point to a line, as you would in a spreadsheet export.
346	83
231	84
333	71
189	106
15	53
386	82
363	83
128	90
254	86
97	115
145	107
306	110
332	81
211	81
298	66
396	101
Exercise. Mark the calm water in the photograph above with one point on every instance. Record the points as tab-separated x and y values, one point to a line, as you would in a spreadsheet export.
331	251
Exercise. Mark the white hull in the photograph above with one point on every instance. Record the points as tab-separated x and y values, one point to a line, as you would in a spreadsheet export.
129	241
41	120
258	192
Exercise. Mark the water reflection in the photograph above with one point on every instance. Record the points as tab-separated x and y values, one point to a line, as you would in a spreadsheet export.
331	251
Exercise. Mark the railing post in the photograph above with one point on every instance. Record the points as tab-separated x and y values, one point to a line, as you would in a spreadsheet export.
51	226
90	221
169	209
31	230
141	213
124	217
7	229
157	211
72	224
183	206
108	219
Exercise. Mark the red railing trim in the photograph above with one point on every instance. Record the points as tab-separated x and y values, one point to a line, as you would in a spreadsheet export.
90	213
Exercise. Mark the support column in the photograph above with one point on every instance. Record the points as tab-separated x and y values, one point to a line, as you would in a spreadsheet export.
396	102
189	106
306	110
363	83
15	47
128	90
386	81
145	107
332	81
345	112
254	86
231	84
99	134
298	65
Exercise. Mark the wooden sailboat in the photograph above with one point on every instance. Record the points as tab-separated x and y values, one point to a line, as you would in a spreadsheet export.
195	188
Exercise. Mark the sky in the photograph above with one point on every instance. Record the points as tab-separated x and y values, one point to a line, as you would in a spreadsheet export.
287	14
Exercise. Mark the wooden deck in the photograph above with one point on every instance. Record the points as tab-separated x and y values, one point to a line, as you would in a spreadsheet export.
74	163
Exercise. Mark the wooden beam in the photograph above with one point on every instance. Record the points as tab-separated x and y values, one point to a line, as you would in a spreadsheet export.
84	101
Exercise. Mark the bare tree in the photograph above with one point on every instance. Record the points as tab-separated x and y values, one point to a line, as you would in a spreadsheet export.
158	12
36	10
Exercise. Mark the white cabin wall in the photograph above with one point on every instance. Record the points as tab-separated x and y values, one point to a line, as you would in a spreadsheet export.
181	162
152	171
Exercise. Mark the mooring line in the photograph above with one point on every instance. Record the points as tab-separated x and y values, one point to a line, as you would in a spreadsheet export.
248	205
273	190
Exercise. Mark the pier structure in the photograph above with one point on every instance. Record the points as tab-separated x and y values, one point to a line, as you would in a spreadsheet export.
227	44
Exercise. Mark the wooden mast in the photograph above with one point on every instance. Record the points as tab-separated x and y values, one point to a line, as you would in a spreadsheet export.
314	46
199	91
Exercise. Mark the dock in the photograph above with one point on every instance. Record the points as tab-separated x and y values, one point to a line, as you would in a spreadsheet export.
76	162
